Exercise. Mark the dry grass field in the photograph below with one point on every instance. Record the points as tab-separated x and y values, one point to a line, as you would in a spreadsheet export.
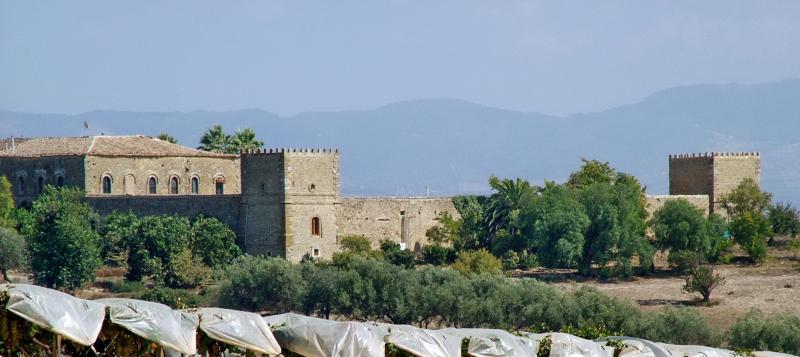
773	287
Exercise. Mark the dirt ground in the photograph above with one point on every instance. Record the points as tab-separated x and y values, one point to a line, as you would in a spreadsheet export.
773	287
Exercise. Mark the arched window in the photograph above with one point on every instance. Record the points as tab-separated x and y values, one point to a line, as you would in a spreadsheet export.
173	185
195	185
107	184
152	185
60	181
315	226
219	185
21	185
40	183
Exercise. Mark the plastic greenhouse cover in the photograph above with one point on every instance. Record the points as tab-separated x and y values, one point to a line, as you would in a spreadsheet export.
566	345
155	322
420	342
696	351
243	329
75	319
311	336
495	343
637	347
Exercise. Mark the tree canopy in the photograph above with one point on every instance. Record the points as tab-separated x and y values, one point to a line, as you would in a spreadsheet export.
215	139
64	247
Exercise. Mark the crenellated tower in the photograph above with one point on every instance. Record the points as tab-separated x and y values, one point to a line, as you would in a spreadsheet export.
713	174
289	202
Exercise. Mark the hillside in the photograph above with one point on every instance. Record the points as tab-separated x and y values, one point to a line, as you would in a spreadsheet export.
452	146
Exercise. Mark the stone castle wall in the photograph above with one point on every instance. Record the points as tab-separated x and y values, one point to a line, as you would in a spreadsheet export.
223	207
657	201
730	170
403	220
711	174
262	204
50	168
130	174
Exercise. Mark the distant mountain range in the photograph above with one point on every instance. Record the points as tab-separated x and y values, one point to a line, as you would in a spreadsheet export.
447	146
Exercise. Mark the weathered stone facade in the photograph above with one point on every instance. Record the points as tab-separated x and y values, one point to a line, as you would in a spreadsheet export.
403	220
655	202
712	174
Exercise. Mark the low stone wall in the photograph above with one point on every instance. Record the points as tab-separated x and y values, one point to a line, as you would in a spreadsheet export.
223	207
658	201
380	218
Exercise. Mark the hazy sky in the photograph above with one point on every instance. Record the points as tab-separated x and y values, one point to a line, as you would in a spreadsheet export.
555	57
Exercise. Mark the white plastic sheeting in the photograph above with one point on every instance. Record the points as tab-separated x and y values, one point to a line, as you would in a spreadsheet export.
75	319
80	321
311	336
495	343
243	329
420	342
155	322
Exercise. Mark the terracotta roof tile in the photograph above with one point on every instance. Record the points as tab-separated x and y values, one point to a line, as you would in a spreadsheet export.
133	145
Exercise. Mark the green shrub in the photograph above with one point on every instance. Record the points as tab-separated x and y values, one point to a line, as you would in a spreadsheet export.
702	280
683	261
124	286
438	255
262	284
681	325
214	242
354	247
528	260
477	262
175	298
510	260
751	231
777	333
13	251
785	219
393	254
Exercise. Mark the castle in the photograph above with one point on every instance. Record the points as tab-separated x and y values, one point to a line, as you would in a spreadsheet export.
282	202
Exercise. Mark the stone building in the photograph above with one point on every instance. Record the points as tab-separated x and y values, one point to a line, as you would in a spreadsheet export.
712	174
282	202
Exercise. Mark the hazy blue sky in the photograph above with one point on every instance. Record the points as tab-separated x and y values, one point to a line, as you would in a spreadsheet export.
555	57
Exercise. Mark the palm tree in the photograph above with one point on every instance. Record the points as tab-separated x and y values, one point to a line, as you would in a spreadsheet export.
244	139
505	204
215	139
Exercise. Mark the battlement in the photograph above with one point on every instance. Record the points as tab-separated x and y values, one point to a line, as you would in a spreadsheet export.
713	154
280	151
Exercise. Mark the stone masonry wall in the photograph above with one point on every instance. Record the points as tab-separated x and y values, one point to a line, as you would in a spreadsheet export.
658	201
312	192
50	168
383	218
731	169
691	175
262	204
223	207
130	174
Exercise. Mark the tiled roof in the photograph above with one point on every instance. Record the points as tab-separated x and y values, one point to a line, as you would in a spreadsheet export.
132	145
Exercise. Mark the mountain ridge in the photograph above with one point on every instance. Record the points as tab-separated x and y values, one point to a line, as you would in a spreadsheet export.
451	146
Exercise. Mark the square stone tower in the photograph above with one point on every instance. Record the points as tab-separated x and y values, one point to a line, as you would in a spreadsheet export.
290	198
713	174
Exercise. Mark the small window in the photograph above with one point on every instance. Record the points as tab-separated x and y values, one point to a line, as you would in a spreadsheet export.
219	185
195	185
315	226
106	184
173	185
315	252
40	183
152	185
60	181
21	185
